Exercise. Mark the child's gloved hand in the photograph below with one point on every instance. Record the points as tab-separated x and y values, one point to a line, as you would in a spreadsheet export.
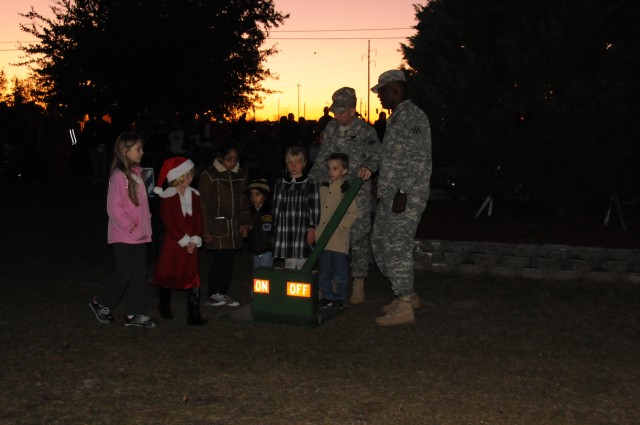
399	202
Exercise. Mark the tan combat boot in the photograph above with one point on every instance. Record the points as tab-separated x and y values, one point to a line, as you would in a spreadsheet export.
402	315
415	304
357	296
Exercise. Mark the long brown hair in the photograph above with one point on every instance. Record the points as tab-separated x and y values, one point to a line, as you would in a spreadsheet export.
124	142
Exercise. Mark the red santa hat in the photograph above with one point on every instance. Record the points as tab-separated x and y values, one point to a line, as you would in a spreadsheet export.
172	168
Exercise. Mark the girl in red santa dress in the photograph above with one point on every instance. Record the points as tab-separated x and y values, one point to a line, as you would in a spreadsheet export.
178	264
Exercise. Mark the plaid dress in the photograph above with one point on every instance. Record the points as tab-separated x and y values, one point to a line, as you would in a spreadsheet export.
296	209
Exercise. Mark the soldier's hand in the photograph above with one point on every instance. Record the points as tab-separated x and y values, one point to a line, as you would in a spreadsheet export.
364	173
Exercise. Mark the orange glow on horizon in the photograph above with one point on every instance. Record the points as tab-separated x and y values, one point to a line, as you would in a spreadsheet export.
320	49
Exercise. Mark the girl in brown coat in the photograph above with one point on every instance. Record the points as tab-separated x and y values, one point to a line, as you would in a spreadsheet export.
226	217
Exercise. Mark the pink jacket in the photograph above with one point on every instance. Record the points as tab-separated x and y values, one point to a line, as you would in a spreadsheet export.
127	223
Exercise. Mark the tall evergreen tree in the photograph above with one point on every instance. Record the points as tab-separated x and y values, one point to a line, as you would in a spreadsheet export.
545	90
160	56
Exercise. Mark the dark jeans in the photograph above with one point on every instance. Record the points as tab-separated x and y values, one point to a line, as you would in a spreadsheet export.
333	269
220	271
128	279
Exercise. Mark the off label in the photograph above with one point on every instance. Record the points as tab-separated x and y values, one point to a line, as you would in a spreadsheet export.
295	289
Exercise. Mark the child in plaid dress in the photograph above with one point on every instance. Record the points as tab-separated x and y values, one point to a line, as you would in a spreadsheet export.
296	211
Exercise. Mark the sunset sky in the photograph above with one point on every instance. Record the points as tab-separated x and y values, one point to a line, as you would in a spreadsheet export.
322	47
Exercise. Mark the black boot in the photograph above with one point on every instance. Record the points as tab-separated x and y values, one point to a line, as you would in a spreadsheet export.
193	308
164	306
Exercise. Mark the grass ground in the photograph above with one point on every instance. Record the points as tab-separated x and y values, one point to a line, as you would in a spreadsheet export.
483	351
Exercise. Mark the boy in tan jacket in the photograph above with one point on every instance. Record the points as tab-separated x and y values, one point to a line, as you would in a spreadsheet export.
333	265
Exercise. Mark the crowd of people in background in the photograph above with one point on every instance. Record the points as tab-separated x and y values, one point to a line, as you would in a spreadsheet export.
34	139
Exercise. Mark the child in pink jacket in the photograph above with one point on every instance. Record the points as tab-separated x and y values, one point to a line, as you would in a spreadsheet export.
128	231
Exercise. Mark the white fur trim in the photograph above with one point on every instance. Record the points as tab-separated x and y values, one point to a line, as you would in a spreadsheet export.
184	241
197	240
169	192
180	170
157	190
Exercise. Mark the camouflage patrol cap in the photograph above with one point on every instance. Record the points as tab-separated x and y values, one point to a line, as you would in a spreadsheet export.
343	99
387	77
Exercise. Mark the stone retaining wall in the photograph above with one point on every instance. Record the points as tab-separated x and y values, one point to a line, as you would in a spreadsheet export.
558	262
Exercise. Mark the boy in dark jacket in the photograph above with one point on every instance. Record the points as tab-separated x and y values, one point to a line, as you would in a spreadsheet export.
261	233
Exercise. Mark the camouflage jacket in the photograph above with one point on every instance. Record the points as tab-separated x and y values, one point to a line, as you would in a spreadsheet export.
359	141
406	153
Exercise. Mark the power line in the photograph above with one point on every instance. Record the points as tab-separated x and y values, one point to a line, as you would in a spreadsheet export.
286	38
336	38
346	30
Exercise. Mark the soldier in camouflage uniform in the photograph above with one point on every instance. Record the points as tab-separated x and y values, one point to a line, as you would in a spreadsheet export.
356	138
403	190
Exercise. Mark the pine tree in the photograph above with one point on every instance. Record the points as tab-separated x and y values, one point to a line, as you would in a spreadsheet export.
158	56
542	89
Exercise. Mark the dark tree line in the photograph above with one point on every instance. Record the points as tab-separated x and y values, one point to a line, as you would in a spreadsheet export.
158	57
546	90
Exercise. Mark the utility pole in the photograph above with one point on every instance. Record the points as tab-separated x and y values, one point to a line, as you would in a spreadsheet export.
298	100
369	78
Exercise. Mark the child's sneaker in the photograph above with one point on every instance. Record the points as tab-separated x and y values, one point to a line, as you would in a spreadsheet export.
325	303
103	313
215	300
230	302
141	321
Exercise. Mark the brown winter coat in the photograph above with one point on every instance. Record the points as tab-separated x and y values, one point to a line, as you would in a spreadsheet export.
224	206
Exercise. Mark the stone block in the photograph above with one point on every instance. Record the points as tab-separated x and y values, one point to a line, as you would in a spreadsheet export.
501	271
629	255
422	260
580	265
555	251
600	276
514	262
464	248
492	248
546	263
531	273
471	269
484	259
441	267
587	253
437	257
434	245
631	278
453	259
523	250
618	267
565	274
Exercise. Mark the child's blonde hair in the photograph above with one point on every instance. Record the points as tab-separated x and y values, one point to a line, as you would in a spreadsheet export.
295	152
178	181
124	142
